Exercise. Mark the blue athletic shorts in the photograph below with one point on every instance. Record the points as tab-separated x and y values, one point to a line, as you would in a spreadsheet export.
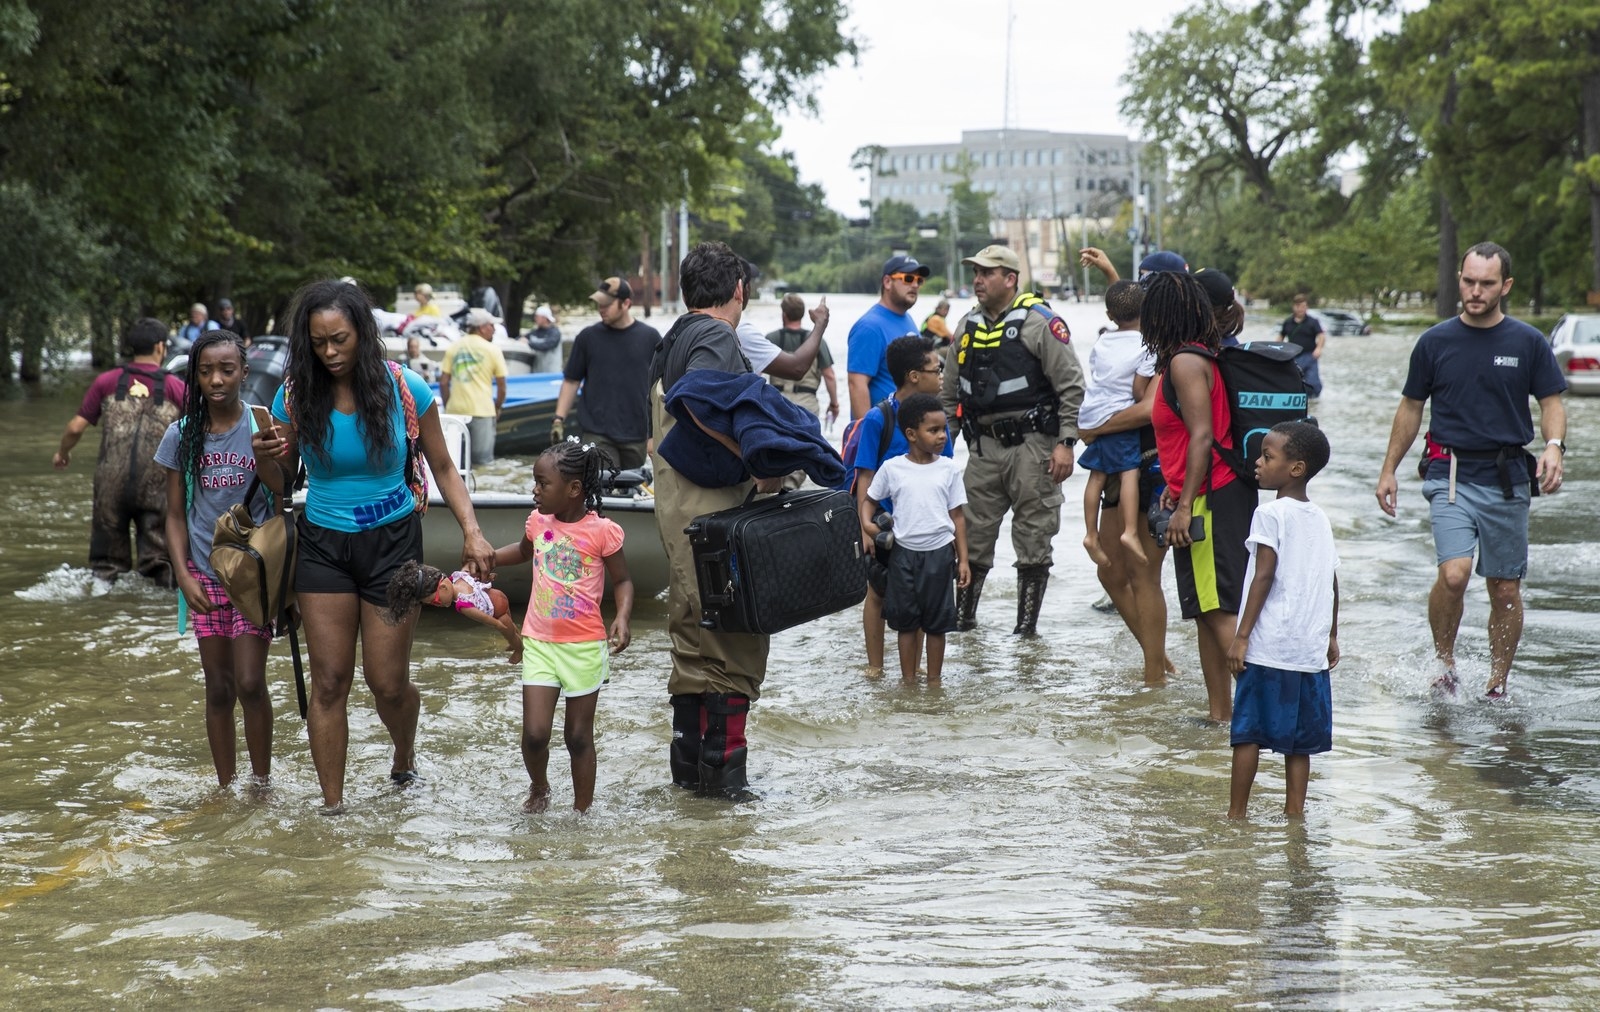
1112	454
1286	711
1481	518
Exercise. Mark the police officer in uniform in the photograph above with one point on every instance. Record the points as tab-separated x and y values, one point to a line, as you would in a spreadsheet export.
1014	384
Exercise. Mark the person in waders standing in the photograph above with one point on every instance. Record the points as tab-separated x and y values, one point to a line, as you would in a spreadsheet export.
133	404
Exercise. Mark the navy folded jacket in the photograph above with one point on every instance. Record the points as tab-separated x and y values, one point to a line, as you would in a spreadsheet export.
776	437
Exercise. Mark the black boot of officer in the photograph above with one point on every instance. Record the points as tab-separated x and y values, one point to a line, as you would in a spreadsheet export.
1031	581
967	601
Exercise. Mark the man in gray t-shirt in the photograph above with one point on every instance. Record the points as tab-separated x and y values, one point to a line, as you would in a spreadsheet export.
227	464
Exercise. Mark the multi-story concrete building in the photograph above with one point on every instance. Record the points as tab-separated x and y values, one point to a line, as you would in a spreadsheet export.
1027	173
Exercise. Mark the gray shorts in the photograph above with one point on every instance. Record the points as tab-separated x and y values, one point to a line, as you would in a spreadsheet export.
1481	518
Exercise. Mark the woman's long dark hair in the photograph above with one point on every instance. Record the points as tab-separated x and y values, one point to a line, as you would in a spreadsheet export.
196	409
311	387
1176	312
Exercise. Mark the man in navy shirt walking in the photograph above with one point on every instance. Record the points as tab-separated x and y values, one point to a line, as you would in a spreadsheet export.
1479	369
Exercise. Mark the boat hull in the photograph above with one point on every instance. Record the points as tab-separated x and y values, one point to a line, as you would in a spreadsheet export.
503	515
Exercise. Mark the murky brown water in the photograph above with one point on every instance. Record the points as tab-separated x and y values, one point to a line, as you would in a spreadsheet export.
1040	832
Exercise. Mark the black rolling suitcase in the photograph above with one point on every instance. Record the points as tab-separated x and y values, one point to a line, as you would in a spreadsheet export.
776	562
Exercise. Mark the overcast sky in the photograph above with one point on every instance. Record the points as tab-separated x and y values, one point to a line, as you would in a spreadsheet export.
931	69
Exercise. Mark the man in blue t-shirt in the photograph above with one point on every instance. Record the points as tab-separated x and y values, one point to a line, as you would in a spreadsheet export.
1479	370
916	368
869	379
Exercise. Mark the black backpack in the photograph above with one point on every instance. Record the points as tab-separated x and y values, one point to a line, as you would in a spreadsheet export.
1263	386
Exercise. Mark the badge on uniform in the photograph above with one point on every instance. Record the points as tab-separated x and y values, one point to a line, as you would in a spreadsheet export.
1059	331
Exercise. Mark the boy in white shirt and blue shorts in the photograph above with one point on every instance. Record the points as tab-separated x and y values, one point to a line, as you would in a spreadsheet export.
1287	639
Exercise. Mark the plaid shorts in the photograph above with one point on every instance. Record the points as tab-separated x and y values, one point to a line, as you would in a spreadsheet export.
224	620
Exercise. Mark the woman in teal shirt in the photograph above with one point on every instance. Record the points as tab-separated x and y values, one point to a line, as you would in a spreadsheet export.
344	411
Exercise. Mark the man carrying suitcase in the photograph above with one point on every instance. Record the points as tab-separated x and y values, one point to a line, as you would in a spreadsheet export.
715	675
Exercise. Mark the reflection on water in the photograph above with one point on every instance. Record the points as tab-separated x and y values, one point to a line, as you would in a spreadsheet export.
1040	831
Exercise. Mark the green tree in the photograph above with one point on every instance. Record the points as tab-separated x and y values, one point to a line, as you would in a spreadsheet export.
1504	131
1232	94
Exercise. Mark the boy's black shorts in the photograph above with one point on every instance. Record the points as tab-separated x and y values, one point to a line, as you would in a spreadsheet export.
922	590
360	562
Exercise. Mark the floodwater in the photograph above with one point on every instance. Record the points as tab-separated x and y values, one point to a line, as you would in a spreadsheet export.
1040	831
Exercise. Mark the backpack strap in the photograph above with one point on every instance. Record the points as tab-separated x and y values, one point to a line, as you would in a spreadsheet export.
415	476
1169	391
157	381
887	435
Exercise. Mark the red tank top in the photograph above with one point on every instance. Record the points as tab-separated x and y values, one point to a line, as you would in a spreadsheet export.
1172	435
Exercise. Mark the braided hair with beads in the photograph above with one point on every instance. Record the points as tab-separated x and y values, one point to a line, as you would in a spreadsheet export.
1176	312
196	407
586	462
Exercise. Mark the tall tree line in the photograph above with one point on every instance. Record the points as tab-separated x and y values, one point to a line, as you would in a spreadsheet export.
1463	120
159	152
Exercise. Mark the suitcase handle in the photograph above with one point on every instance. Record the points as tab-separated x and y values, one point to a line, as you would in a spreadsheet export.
711	571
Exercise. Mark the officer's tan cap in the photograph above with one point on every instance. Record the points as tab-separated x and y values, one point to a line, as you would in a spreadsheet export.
995	256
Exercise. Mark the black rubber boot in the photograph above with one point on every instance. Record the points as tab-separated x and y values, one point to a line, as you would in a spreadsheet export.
1031	581
722	745
967	601
685	751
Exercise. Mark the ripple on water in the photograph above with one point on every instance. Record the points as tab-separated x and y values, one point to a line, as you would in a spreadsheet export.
1040	830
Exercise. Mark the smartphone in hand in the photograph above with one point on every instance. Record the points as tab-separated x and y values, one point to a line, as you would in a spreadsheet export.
263	418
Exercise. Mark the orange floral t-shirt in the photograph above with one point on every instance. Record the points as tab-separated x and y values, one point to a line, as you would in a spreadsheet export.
569	577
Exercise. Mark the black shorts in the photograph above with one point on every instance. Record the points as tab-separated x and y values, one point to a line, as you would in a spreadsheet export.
1211	572
921	592
362	562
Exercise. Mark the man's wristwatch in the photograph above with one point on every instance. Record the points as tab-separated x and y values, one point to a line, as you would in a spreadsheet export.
1560	444
1068	441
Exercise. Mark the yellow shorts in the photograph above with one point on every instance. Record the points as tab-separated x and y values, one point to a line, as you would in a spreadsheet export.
577	669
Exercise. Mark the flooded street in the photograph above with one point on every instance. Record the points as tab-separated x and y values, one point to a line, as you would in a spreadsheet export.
1040	831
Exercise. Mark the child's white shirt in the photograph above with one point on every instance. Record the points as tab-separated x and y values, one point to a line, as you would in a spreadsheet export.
1117	356
1297	616
924	495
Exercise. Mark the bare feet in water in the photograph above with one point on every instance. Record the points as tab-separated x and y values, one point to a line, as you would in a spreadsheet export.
1134	545
538	800
1091	544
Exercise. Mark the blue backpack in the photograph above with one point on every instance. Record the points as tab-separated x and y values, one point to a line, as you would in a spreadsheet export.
852	443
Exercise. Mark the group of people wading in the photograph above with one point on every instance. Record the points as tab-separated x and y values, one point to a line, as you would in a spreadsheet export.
1009	383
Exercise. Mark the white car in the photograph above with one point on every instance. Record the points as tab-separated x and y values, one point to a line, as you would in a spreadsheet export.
1576	342
1342	323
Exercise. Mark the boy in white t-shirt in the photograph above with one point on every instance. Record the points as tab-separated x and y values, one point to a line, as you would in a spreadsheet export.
1288	634
1120	368
930	534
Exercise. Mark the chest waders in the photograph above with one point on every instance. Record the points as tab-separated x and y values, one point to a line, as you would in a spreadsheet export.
128	484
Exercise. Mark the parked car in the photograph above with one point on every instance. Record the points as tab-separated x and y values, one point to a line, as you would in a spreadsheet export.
1342	323
1576	342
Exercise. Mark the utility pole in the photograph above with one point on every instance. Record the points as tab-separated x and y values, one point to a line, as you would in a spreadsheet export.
666	244
1137	231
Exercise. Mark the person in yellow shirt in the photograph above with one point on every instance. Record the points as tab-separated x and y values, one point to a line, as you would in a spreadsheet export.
471	367
425	304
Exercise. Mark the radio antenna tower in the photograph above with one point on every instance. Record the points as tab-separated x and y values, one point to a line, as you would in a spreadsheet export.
1007	122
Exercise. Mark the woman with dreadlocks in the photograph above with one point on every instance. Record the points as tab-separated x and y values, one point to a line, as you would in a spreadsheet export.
564	637
210	467
360	424
1211	506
